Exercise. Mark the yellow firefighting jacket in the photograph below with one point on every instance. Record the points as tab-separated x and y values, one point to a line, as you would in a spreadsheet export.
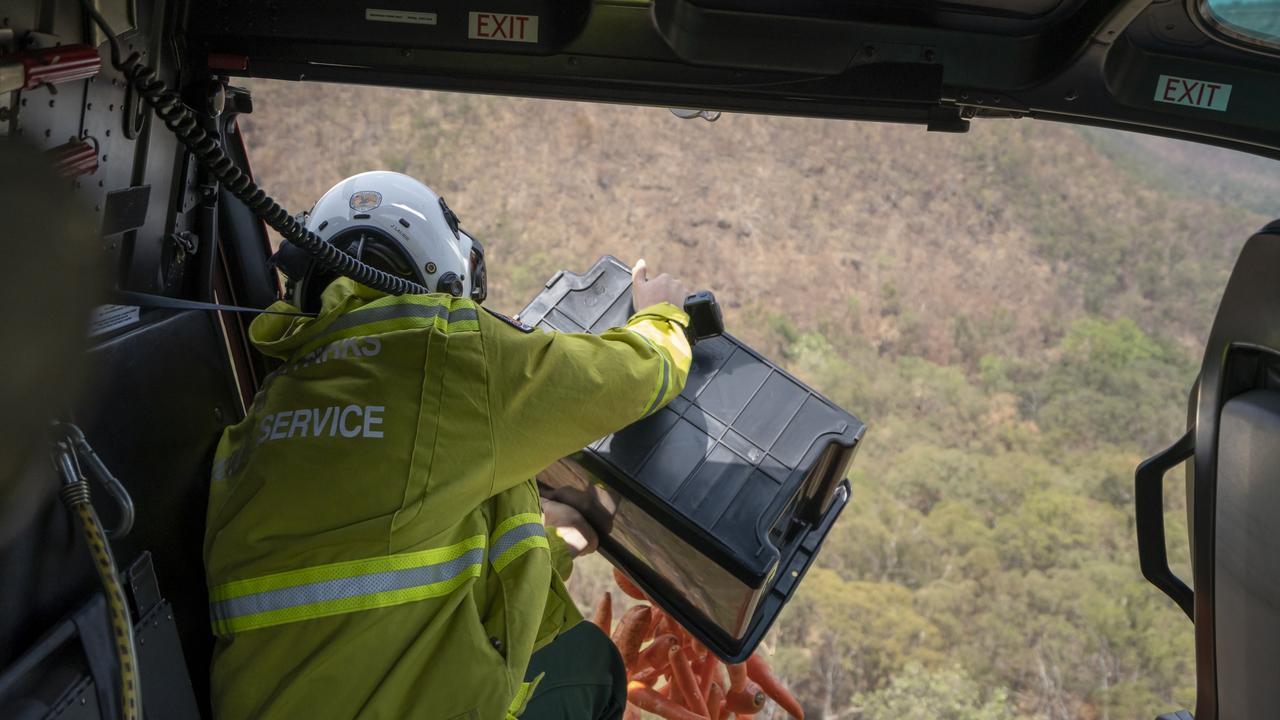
375	546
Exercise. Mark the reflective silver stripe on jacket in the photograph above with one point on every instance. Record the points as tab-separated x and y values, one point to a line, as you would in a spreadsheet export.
509	538
345	587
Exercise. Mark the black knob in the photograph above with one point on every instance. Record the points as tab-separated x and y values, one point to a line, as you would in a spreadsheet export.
450	283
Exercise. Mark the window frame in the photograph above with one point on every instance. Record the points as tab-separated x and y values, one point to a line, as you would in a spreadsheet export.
1228	33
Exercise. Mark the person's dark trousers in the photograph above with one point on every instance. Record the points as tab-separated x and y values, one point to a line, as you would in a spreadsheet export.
585	678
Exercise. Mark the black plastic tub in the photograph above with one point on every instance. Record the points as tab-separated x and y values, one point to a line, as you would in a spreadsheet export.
717	504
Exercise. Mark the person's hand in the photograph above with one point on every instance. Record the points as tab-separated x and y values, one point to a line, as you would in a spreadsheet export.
664	288
569	524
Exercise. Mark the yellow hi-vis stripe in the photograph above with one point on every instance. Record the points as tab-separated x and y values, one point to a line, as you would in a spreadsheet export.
357	585
668	340
523	695
344	587
516	536
400	312
659	390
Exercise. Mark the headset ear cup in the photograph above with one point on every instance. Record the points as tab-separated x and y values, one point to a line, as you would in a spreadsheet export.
293	261
310	290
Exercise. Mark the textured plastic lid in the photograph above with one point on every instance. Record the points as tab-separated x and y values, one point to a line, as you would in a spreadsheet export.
745	449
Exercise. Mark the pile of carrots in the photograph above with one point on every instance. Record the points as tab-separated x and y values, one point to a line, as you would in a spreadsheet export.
675	677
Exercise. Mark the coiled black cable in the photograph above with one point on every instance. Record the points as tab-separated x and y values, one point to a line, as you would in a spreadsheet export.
169	107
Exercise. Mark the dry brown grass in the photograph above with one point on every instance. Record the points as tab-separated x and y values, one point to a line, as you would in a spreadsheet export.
882	230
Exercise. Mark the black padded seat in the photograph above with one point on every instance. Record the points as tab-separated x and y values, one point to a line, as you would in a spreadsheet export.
1247	557
1233	488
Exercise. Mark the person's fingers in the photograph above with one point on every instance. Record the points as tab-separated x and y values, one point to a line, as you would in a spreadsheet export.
580	541
579	536
639	273
567	523
593	541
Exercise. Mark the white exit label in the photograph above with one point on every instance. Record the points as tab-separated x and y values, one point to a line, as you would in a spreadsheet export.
502	26
1193	93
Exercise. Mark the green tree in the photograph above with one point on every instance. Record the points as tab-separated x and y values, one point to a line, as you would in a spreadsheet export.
851	637
1112	382
920	694
1057	529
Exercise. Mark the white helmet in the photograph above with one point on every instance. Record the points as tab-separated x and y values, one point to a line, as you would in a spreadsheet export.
396	224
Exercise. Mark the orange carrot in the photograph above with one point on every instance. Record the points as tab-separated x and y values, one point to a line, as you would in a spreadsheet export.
631	713
646	699
698	665
696	646
630	633
653	624
603	617
707	672
737	676
626	585
682	674
667	626
717	673
715	701
759	671
655	656
648	676
694	649
746	700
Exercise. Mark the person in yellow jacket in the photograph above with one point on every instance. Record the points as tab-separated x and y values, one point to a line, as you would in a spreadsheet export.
376	545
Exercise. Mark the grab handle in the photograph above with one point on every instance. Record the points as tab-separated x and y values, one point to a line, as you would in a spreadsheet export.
1149	516
705	319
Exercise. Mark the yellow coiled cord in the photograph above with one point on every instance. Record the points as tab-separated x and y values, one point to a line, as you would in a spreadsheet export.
75	495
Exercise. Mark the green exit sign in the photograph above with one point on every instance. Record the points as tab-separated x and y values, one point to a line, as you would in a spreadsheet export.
1193	93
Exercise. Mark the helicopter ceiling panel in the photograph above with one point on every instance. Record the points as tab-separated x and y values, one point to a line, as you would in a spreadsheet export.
956	13
519	26
938	63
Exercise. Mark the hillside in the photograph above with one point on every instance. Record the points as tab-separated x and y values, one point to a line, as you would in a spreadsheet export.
1016	312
